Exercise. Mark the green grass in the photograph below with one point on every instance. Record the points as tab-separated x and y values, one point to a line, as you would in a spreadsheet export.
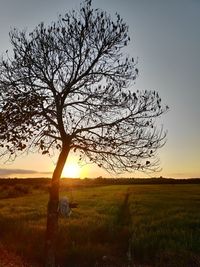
162	223
165	220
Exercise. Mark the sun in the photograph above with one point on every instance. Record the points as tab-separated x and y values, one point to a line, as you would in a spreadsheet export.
71	170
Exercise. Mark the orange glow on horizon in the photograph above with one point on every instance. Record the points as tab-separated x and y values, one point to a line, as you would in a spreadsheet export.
71	170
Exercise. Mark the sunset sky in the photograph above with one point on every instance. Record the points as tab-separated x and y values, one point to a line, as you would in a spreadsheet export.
165	37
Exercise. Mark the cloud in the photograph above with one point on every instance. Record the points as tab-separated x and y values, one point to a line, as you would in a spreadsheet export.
7	172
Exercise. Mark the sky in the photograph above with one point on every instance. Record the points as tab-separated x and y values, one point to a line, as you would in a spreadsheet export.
165	37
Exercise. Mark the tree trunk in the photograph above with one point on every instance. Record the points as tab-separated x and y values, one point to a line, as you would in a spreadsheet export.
52	210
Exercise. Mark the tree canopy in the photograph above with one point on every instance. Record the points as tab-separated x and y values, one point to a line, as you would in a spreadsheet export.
71	82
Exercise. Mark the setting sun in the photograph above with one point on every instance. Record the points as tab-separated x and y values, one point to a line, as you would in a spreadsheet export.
71	170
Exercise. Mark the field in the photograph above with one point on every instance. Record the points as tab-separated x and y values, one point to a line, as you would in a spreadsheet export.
114	225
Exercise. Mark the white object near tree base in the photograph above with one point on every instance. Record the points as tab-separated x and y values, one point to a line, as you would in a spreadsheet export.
64	208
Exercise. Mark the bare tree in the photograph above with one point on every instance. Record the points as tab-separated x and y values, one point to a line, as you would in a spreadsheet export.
68	86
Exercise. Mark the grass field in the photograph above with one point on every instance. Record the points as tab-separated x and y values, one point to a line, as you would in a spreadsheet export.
120	225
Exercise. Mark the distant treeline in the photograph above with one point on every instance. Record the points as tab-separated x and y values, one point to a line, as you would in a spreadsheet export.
98	181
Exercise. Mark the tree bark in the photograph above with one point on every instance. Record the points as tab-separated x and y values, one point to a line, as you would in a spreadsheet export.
52	210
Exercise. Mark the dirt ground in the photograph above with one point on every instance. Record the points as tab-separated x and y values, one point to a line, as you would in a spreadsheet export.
9	259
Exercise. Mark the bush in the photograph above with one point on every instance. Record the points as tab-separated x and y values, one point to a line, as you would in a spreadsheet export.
14	191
